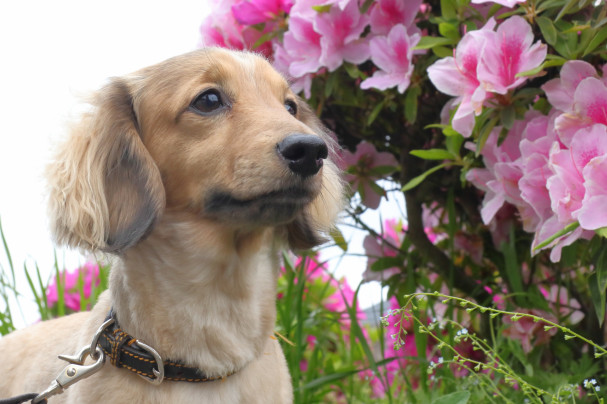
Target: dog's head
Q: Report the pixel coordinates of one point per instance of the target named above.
(215, 133)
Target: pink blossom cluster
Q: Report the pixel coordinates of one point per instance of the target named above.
(553, 168)
(485, 66)
(89, 273)
(321, 35)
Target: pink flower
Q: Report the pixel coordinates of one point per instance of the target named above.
(392, 54)
(457, 76)
(251, 12)
(503, 171)
(220, 28)
(566, 186)
(507, 52)
(385, 14)
(538, 138)
(589, 107)
(283, 60)
(560, 91)
(89, 273)
(593, 215)
(302, 43)
(528, 332)
(365, 166)
(341, 32)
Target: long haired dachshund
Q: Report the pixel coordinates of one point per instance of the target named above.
(193, 174)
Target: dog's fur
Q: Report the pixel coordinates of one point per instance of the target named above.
(192, 209)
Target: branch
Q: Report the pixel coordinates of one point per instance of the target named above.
(443, 265)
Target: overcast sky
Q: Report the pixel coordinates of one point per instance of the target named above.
(52, 54)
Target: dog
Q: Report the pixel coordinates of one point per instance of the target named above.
(192, 175)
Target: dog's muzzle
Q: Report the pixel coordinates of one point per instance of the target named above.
(304, 154)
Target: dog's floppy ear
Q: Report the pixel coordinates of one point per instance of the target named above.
(105, 190)
(310, 227)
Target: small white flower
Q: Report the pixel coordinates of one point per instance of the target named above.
(597, 388)
(593, 381)
(440, 360)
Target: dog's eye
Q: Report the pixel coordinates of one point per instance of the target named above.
(207, 102)
(291, 106)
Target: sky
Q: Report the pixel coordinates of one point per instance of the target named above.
(52, 55)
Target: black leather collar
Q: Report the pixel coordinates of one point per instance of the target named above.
(125, 351)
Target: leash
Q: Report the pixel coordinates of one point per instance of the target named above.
(123, 351)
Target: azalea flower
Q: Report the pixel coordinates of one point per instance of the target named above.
(385, 14)
(507, 52)
(392, 54)
(302, 43)
(220, 28)
(341, 32)
(527, 331)
(457, 76)
(251, 12)
(589, 108)
(566, 185)
(560, 91)
(593, 215)
(365, 166)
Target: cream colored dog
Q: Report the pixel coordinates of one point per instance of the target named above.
(194, 173)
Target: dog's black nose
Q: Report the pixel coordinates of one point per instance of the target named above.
(303, 153)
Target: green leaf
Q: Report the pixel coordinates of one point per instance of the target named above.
(597, 293)
(548, 29)
(352, 71)
(420, 178)
(507, 116)
(385, 263)
(411, 104)
(548, 63)
(512, 267)
(484, 135)
(566, 9)
(568, 229)
(598, 39)
(330, 378)
(454, 143)
(382, 171)
(338, 238)
(330, 85)
(448, 30)
(322, 9)
(459, 397)
(598, 283)
(448, 9)
(433, 154)
(602, 232)
(375, 112)
(429, 42)
(442, 51)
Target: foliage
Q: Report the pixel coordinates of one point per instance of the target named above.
(490, 117)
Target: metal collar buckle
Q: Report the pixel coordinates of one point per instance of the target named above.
(159, 362)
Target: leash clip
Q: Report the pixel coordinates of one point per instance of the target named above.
(74, 372)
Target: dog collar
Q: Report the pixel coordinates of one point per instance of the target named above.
(125, 351)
